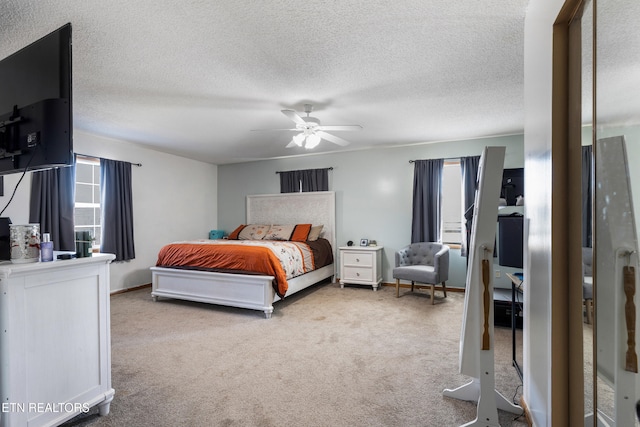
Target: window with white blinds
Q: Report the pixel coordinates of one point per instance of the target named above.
(451, 212)
(87, 204)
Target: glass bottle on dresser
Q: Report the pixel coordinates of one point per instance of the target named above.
(46, 248)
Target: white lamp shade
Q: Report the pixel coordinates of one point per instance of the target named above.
(312, 141)
(299, 139)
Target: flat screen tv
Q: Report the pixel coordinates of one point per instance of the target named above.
(36, 130)
(512, 185)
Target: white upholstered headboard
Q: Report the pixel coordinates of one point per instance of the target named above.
(317, 207)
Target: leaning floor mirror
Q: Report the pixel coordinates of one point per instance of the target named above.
(617, 195)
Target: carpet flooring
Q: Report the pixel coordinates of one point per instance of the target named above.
(328, 357)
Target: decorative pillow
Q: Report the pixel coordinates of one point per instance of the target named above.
(280, 232)
(314, 234)
(300, 233)
(235, 233)
(254, 232)
(216, 234)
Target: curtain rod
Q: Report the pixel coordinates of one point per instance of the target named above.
(442, 158)
(329, 168)
(104, 158)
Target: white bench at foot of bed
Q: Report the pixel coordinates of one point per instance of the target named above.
(235, 290)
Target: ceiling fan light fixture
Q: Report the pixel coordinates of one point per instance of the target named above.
(299, 139)
(312, 141)
(309, 130)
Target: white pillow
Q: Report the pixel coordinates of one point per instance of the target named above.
(314, 234)
(280, 232)
(254, 232)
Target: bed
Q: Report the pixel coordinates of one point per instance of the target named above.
(255, 291)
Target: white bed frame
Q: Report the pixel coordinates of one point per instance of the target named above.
(255, 291)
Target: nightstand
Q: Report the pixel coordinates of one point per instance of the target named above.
(361, 265)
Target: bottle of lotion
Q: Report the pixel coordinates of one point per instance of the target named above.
(46, 248)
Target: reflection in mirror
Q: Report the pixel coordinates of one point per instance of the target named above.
(616, 266)
(586, 22)
(617, 182)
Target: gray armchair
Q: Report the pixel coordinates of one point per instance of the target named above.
(587, 282)
(426, 263)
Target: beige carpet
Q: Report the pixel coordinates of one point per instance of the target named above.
(328, 357)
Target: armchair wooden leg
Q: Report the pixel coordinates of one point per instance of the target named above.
(433, 291)
(444, 289)
(412, 284)
(588, 305)
(397, 288)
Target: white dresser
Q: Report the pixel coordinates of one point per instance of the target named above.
(55, 343)
(361, 265)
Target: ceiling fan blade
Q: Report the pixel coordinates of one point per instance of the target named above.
(294, 116)
(291, 144)
(341, 127)
(271, 130)
(332, 138)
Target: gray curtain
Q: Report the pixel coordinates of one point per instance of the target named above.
(289, 182)
(116, 201)
(52, 205)
(587, 193)
(311, 179)
(469, 169)
(427, 200)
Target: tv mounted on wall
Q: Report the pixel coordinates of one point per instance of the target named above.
(36, 130)
(512, 185)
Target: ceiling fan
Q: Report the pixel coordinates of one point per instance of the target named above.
(311, 132)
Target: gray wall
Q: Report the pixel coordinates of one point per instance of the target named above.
(373, 191)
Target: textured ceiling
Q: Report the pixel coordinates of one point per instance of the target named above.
(195, 77)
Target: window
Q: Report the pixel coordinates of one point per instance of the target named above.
(451, 212)
(87, 203)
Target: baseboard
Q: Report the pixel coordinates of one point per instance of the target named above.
(135, 288)
(408, 285)
(402, 285)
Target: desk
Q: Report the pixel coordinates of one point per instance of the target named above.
(516, 290)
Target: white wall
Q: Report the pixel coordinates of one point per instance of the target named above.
(174, 198)
(373, 191)
(538, 186)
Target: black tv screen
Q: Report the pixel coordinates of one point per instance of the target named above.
(36, 130)
(512, 185)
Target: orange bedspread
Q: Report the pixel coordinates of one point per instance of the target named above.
(245, 258)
